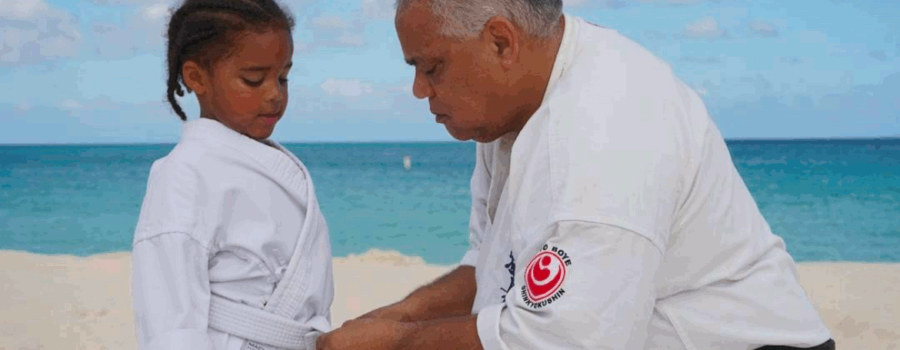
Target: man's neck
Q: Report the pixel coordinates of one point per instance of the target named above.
(540, 58)
(548, 52)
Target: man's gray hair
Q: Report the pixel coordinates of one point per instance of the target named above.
(466, 18)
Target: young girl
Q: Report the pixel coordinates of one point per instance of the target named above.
(230, 250)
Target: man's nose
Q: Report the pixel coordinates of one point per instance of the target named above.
(421, 87)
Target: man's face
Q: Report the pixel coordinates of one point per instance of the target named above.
(466, 86)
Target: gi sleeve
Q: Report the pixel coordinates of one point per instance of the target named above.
(588, 286)
(171, 293)
(479, 186)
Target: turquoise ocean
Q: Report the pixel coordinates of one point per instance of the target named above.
(831, 200)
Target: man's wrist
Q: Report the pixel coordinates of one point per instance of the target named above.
(440, 333)
(407, 338)
(411, 307)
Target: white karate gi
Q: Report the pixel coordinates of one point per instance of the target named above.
(222, 216)
(616, 220)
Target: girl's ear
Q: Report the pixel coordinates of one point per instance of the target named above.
(195, 77)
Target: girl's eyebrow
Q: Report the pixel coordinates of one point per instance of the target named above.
(265, 68)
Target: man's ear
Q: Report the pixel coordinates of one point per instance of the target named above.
(195, 77)
(504, 38)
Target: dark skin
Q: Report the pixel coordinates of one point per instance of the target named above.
(480, 88)
(435, 316)
(247, 89)
(483, 87)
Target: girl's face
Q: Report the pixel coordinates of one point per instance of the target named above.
(247, 90)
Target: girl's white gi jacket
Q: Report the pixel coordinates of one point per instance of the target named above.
(230, 218)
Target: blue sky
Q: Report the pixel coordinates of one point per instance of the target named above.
(92, 71)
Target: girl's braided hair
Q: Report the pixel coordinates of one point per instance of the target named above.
(204, 30)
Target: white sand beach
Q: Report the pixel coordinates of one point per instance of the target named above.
(65, 302)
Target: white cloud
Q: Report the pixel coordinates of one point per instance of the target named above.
(879, 55)
(617, 4)
(655, 35)
(378, 9)
(33, 31)
(574, 3)
(22, 9)
(613, 4)
(704, 28)
(758, 82)
(155, 13)
(347, 88)
(333, 31)
(353, 40)
(151, 21)
(122, 2)
(23, 106)
(670, 2)
(791, 60)
(142, 31)
(680, 2)
(702, 60)
(764, 29)
(706, 88)
(70, 104)
(329, 23)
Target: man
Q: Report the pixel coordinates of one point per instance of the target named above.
(607, 212)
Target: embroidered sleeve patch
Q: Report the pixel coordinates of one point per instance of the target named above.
(544, 277)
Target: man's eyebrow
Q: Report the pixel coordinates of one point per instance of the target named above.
(413, 61)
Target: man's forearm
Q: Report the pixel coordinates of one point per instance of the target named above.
(450, 295)
(457, 333)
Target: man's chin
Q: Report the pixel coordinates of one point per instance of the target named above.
(478, 135)
(459, 135)
(470, 136)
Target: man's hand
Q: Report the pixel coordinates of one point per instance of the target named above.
(450, 295)
(456, 333)
(366, 334)
(395, 312)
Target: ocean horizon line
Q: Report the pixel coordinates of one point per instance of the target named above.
(377, 142)
(392, 255)
(170, 143)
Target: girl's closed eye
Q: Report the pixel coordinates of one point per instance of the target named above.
(256, 82)
(253, 82)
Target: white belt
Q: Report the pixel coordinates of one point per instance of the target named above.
(257, 325)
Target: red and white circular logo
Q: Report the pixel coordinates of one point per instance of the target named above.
(544, 275)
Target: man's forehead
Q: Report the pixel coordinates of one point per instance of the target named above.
(418, 32)
(419, 47)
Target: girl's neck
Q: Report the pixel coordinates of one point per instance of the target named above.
(212, 117)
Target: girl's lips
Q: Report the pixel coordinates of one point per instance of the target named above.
(270, 118)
